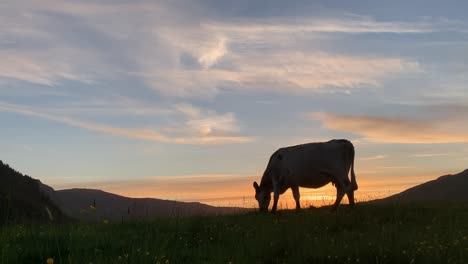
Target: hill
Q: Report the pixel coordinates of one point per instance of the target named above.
(22, 199)
(89, 204)
(369, 234)
(447, 188)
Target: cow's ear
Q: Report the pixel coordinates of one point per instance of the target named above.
(255, 185)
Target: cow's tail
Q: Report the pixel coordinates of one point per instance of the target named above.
(353, 176)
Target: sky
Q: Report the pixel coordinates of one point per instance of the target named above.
(187, 100)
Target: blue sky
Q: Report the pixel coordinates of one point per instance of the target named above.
(171, 94)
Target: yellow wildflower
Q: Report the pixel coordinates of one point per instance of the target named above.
(105, 221)
(50, 261)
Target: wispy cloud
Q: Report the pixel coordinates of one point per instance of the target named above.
(203, 136)
(395, 130)
(208, 123)
(348, 24)
(428, 155)
(197, 56)
(38, 68)
(377, 157)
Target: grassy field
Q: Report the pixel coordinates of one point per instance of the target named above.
(368, 234)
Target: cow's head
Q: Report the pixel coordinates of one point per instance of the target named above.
(263, 197)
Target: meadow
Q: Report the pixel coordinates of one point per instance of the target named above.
(367, 234)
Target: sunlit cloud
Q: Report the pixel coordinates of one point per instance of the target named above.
(180, 58)
(38, 69)
(428, 155)
(348, 24)
(201, 137)
(208, 123)
(377, 157)
(213, 54)
(395, 130)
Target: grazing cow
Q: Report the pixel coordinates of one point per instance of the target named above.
(310, 165)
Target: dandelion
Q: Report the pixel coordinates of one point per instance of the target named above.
(105, 221)
(50, 261)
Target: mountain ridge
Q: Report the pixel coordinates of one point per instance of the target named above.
(446, 188)
(23, 198)
(92, 204)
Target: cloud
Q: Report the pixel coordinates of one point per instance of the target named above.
(299, 71)
(208, 123)
(395, 130)
(189, 137)
(349, 24)
(37, 69)
(278, 61)
(377, 157)
(428, 155)
(103, 48)
(212, 55)
(130, 133)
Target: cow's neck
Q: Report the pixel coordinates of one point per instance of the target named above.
(266, 183)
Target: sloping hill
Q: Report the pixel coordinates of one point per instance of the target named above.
(448, 188)
(22, 199)
(97, 205)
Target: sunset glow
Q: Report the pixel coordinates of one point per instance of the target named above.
(187, 100)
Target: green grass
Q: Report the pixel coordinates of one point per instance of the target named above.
(368, 234)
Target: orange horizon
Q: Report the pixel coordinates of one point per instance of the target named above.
(237, 190)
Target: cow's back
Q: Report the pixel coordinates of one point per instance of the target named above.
(311, 164)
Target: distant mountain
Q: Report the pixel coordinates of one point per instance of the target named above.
(97, 205)
(448, 188)
(22, 199)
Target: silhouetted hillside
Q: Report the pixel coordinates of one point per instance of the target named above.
(448, 188)
(97, 205)
(22, 200)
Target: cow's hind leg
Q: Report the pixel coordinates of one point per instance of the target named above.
(340, 192)
(295, 191)
(339, 196)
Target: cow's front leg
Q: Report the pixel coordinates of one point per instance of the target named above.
(275, 200)
(295, 191)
